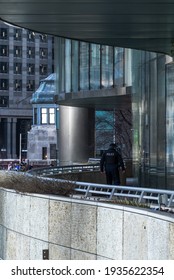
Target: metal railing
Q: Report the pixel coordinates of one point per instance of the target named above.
(44, 171)
(141, 195)
(101, 191)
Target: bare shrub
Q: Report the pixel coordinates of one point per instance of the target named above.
(23, 182)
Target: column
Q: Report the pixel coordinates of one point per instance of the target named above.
(76, 134)
(9, 137)
(14, 138)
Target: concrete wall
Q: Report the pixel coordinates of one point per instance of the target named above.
(78, 229)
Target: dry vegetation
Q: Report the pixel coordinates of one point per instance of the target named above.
(26, 183)
(23, 182)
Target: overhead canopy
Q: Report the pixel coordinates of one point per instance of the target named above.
(138, 24)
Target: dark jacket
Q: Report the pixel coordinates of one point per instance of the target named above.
(111, 158)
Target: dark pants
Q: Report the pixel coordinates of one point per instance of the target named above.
(112, 175)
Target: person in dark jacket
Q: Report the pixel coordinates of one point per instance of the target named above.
(111, 162)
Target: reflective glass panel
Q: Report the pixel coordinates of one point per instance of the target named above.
(75, 65)
(94, 66)
(68, 65)
(107, 66)
(170, 124)
(118, 66)
(84, 66)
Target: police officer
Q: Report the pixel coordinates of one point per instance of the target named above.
(111, 162)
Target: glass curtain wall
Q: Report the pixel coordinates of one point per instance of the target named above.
(68, 65)
(95, 66)
(119, 66)
(75, 66)
(86, 66)
(161, 115)
(170, 124)
(107, 66)
(149, 119)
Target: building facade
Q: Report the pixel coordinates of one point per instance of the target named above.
(43, 136)
(90, 79)
(26, 57)
(127, 79)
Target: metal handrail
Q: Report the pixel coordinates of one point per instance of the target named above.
(44, 171)
(141, 195)
(102, 191)
(145, 196)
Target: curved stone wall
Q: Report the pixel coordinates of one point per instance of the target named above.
(77, 229)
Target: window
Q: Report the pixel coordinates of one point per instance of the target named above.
(94, 66)
(3, 33)
(30, 69)
(43, 115)
(107, 66)
(84, 66)
(3, 50)
(43, 69)
(17, 85)
(30, 52)
(31, 36)
(75, 66)
(4, 101)
(4, 84)
(17, 34)
(44, 152)
(18, 68)
(118, 66)
(68, 65)
(30, 85)
(53, 55)
(4, 67)
(35, 116)
(43, 38)
(47, 116)
(53, 151)
(51, 116)
(17, 51)
(43, 53)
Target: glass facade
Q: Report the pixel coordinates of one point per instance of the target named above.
(86, 66)
(107, 61)
(119, 66)
(150, 75)
(75, 66)
(170, 124)
(152, 119)
(68, 66)
(95, 66)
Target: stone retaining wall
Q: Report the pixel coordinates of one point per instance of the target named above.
(77, 229)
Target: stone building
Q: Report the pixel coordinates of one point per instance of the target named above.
(26, 57)
(42, 138)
